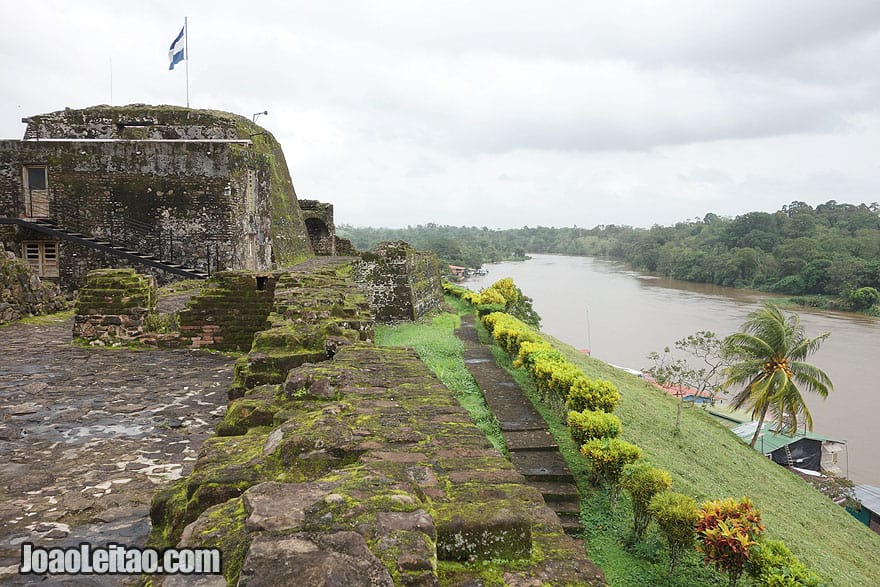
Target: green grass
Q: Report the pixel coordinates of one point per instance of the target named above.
(44, 319)
(706, 461)
(441, 351)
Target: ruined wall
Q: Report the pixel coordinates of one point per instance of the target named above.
(344, 247)
(318, 217)
(228, 311)
(317, 310)
(341, 463)
(401, 283)
(113, 305)
(22, 293)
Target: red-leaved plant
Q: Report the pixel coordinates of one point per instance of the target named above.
(727, 529)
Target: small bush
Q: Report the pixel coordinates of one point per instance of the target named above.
(509, 332)
(607, 457)
(863, 298)
(453, 289)
(590, 424)
(676, 515)
(586, 394)
(643, 482)
(161, 323)
(772, 564)
(484, 309)
(727, 529)
(491, 296)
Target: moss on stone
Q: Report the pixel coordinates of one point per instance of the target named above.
(223, 527)
(246, 413)
(226, 467)
(168, 515)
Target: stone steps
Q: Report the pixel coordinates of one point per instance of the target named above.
(532, 449)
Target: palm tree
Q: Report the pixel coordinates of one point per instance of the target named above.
(769, 358)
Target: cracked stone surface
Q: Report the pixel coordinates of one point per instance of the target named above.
(87, 435)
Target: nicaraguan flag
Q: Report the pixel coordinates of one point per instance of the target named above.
(175, 51)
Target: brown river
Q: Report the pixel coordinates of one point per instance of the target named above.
(622, 315)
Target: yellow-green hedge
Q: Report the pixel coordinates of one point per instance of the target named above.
(503, 292)
(554, 374)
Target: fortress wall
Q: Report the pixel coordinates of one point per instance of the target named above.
(401, 283)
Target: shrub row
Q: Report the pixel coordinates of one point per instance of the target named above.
(730, 531)
(503, 292)
(588, 402)
(559, 380)
(501, 296)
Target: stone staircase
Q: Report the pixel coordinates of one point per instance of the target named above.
(533, 450)
(49, 227)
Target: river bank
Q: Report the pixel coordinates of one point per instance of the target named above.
(621, 315)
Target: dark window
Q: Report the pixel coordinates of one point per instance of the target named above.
(36, 178)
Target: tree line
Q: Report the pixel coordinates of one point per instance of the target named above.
(832, 249)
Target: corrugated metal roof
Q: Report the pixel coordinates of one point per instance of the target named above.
(769, 441)
(869, 496)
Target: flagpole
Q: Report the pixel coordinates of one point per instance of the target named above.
(186, 54)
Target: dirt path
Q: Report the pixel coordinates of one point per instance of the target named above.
(87, 435)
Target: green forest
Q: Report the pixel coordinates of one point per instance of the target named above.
(828, 255)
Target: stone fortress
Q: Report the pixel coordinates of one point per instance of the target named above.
(337, 462)
(173, 190)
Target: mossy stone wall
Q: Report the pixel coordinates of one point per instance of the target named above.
(112, 306)
(401, 282)
(228, 311)
(369, 462)
(316, 310)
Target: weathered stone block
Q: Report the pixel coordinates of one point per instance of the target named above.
(495, 530)
(221, 526)
(341, 559)
(281, 506)
(245, 413)
(400, 282)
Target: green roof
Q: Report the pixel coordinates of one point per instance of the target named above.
(768, 440)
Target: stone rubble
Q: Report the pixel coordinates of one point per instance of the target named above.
(22, 293)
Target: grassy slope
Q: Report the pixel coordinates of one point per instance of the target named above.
(707, 462)
(441, 351)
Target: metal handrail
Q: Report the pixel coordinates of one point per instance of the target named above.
(123, 230)
(117, 227)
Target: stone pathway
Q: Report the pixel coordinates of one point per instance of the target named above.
(88, 435)
(533, 451)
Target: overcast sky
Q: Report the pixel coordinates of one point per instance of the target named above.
(495, 113)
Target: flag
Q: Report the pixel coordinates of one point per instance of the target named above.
(175, 51)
